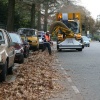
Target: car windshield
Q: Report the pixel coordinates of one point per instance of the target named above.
(40, 34)
(16, 38)
(1, 38)
(28, 32)
(86, 38)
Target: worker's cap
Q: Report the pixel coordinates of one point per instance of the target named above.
(47, 32)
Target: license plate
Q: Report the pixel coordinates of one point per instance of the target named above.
(70, 41)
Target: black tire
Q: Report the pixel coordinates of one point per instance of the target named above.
(26, 54)
(22, 60)
(10, 71)
(88, 45)
(79, 49)
(37, 48)
(57, 47)
(59, 50)
(3, 74)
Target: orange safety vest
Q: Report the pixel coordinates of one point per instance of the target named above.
(47, 38)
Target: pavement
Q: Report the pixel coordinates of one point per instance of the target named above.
(69, 91)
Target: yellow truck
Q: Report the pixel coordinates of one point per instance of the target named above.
(68, 30)
(32, 37)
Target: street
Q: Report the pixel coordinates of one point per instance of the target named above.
(33, 64)
(76, 75)
(83, 68)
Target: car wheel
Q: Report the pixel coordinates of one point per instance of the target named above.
(22, 60)
(88, 45)
(10, 71)
(3, 74)
(37, 48)
(26, 54)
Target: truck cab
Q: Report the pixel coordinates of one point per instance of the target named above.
(67, 28)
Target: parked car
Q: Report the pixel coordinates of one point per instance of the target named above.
(32, 35)
(40, 36)
(86, 41)
(21, 48)
(25, 44)
(90, 39)
(7, 54)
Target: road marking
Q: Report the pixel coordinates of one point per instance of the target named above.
(69, 80)
(64, 70)
(75, 89)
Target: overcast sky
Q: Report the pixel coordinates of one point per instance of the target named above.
(93, 6)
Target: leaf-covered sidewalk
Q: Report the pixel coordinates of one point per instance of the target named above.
(34, 79)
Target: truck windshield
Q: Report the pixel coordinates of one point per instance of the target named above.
(28, 32)
(74, 26)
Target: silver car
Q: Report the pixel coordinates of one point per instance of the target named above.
(86, 41)
(40, 36)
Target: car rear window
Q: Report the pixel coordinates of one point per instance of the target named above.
(86, 38)
(16, 38)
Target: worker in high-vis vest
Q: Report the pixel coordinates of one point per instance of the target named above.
(47, 42)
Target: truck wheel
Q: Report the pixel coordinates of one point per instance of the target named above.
(10, 71)
(59, 50)
(22, 60)
(57, 47)
(79, 49)
(3, 74)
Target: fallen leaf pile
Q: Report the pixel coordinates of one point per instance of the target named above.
(34, 79)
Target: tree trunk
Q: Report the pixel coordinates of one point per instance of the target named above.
(10, 20)
(39, 18)
(33, 16)
(45, 18)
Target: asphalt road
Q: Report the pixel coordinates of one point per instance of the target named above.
(83, 69)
